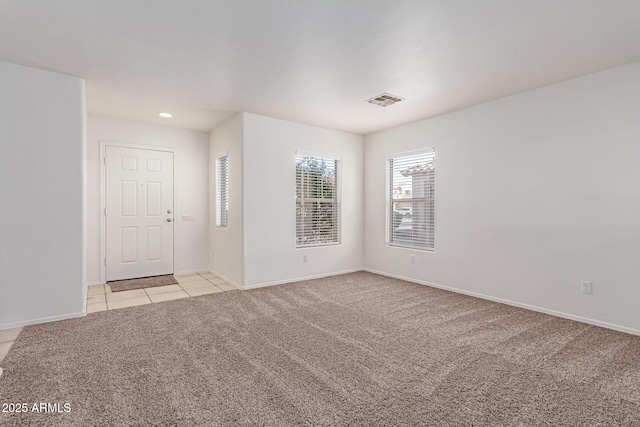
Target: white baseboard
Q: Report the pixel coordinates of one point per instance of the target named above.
(94, 282)
(515, 304)
(188, 272)
(226, 279)
(300, 279)
(42, 320)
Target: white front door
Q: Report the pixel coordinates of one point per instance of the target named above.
(139, 213)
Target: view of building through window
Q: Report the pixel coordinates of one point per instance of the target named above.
(411, 200)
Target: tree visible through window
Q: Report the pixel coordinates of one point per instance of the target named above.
(317, 204)
(411, 200)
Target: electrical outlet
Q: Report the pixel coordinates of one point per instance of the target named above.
(586, 287)
(412, 259)
(304, 258)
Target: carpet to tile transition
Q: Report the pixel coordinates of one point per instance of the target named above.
(357, 349)
(145, 282)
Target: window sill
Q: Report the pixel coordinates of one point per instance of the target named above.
(318, 245)
(411, 248)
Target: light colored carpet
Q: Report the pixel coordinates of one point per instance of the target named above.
(145, 282)
(357, 349)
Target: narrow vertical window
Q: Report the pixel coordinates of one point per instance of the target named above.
(317, 200)
(222, 190)
(410, 213)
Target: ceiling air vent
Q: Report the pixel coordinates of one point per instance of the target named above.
(384, 100)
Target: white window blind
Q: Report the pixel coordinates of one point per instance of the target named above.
(411, 200)
(317, 204)
(222, 191)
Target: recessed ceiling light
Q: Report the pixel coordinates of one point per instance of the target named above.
(384, 100)
(165, 115)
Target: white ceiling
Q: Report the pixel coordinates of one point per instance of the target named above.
(313, 61)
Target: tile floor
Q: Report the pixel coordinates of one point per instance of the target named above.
(7, 337)
(100, 298)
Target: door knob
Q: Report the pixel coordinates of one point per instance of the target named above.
(169, 220)
(168, 211)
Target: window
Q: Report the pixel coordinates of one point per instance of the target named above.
(410, 220)
(222, 190)
(317, 203)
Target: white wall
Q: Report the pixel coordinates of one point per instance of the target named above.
(226, 244)
(534, 193)
(270, 254)
(42, 125)
(191, 160)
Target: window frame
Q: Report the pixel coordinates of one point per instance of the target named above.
(337, 200)
(389, 202)
(222, 217)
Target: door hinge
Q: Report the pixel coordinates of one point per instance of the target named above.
(105, 211)
(105, 262)
(104, 159)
